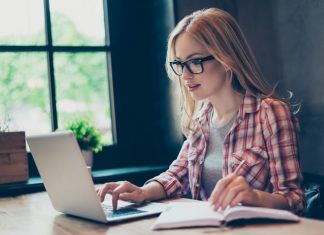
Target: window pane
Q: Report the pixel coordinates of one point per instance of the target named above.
(77, 22)
(22, 22)
(24, 91)
(82, 89)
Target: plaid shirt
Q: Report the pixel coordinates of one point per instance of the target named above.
(263, 134)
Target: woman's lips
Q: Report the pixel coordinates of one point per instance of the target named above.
(193, 87)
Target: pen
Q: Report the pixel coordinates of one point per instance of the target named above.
(213, 202)
(238, 168)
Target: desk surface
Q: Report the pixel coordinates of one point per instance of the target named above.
(34, 214)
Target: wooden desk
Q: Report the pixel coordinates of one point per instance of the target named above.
(33, 214)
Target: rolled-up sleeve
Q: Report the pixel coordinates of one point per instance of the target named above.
(280, 132)
(175, 179)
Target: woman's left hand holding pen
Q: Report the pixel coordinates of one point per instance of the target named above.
(232, 190)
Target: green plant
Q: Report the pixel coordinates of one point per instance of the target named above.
(88, 137)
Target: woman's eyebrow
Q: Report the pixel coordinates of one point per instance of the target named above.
(189, 56)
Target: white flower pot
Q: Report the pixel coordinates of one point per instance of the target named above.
(88, 157)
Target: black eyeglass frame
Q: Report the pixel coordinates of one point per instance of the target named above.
(184, 64)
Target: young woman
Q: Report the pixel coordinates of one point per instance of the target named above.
(241, 142)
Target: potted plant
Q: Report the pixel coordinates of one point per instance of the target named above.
(88, 137)
(13, 154)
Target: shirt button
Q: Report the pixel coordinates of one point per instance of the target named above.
(197, 185)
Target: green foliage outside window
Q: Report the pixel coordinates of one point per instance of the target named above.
(81, 78)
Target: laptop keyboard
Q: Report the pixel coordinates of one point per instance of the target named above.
(120, 212)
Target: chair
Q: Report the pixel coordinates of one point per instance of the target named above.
(315, 201)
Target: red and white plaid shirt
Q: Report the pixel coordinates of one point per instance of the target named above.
(263, 134)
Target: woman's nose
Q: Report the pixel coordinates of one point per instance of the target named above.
(186, 74)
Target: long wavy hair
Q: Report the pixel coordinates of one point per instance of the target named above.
(220, 34)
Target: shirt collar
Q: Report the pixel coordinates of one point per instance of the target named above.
(250, 104)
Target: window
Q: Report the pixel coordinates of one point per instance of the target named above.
(55, 64)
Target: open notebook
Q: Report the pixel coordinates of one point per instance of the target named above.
(192, 214)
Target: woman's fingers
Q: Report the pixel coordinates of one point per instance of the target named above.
(218, 192)
(225, 193)
(239, 197)
(120, 190)
(124, 187)
(106, 188)
(131, 197)
(247, 197)
(233, 191)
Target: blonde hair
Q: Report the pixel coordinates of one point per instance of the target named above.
(220, 34)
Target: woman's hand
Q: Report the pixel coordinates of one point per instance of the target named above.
(121, 190)
(232, 190)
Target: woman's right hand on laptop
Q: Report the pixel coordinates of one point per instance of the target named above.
(123, 190)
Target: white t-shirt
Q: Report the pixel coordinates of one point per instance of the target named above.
(213, 162)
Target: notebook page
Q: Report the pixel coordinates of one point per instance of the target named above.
(188, 214)
(245, 212)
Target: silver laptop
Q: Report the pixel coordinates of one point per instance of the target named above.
(69, 185)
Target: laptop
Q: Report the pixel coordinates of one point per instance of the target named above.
(69, 184)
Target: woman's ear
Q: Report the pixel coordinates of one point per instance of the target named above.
(228, 71)
(229, 75)
(226, 67)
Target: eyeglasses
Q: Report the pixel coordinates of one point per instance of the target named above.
(194, 66)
